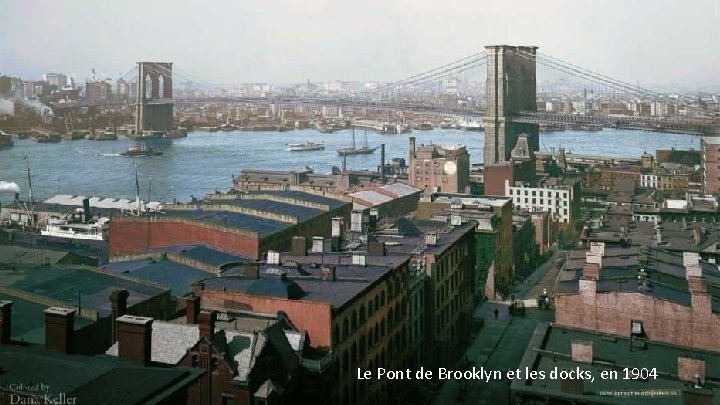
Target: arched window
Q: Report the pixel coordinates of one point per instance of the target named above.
(354, 321)
(161, 86)
(362, 315)
(336, 334)
(148, 87)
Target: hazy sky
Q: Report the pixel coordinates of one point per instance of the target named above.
(653, 41)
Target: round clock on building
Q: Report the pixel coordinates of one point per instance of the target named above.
(450, 168)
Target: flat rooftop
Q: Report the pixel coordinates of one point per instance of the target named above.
(305, 283)
(176, 277)
(28, 320)
(64, 283)
(550, 347)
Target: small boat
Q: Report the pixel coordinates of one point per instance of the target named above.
(180, 132)
(424, 126)
(302, 147)
(141, 151)
(472, 126)
(354, 150)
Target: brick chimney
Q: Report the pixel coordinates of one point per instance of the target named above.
(118, 308)
(691, 370)
(299, 246)
(59, 329)
(192, 307)
(197, 288)
(135, 338)
(700, 299)
(581, 351)
(591, 271)
(206, 320)
(5, 321)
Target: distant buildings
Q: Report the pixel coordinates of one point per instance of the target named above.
(98, 90)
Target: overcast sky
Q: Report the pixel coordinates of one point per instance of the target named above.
(655, 42)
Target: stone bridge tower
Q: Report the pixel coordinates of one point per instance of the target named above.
(510, 89)
(154, 111)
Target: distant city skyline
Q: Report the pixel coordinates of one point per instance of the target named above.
(659, 43)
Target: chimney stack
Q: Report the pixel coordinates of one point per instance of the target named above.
(86, 209)
(431, 239)
(135, 338)
(691, 370)
(197, 288)
(118, 308)
(318, 244)
(5, 321)
(59, 329)
(299, 246)
(206, 320)
(382, 163)
(337, 223)
(192, 307)
(359, 259)
(581, 351)
(411, 148)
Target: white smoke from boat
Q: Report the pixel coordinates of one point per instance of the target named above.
(9, 186)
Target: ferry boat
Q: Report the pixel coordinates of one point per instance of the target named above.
(63, 228)
(356, 151)
(180, 132)
(141, 151)
(40, 137)
(105, 135)
(424, 126)
(307, 146)
(472, 126)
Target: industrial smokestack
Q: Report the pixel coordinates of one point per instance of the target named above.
(86, 209)
(382, 163)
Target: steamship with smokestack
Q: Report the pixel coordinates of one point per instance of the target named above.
(67, 216)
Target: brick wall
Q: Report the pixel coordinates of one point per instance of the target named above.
(311, 316)
(128, 237)
(663, 321)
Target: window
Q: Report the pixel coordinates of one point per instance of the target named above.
(636, 328)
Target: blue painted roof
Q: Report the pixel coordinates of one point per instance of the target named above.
(262, 226)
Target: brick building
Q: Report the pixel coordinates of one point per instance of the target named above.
(655, 295)
(353, 307)
(246, 224)
(710, 163)
(436, 168)
(494, 269)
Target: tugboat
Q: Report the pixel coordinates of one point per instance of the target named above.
(302, 147)
(141, 151)
(356, 151)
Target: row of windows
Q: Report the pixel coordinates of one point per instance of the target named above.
(563, 203)
(523, 191)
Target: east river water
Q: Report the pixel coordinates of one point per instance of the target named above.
(204, 161)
